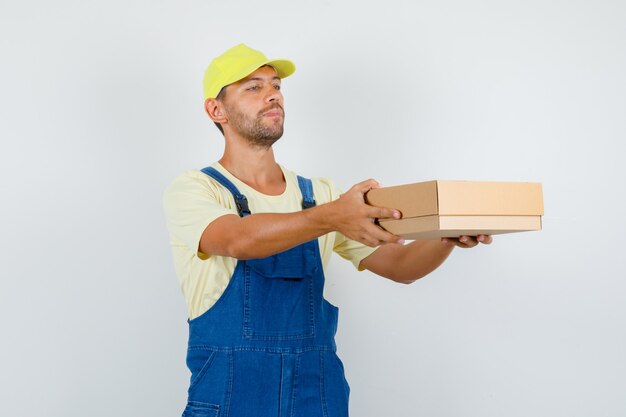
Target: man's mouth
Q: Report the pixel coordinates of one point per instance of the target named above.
(274, 112)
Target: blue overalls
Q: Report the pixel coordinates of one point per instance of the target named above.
(266, 348)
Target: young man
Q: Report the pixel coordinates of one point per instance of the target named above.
(250, 241)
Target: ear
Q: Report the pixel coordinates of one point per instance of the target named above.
(215, 109)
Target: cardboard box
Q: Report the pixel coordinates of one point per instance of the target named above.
(436, 209)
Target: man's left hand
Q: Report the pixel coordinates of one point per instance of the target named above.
(468, 241)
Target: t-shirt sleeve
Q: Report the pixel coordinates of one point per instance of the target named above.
(348, 249)
(352, 250)
(191, 203)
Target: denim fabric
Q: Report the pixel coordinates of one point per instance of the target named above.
(266, 348)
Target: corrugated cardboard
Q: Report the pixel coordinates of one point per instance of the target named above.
(435, 209)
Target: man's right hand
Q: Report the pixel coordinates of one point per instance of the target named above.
(356, 219)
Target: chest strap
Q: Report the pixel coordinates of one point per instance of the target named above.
(240, 200)
(306, 188)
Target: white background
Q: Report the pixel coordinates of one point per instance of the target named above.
(101, 107)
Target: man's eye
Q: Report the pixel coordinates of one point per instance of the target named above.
(254, 88)
(277, 86)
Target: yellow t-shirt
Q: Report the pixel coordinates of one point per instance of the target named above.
(194, 200)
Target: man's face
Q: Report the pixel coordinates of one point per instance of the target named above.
(254, 107)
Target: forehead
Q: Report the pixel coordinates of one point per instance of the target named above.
(266, 72)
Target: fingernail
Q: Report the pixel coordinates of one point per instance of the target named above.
(401, 241)
(463, 238)
(396, 214)
(481, 238)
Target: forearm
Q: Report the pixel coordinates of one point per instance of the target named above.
(408, 263)
(264, 234)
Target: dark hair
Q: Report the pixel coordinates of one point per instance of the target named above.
(220, 96)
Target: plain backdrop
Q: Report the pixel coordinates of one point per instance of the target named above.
(101, 108)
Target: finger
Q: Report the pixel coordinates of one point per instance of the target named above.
(469, 241)
(454, 241)
(372, 241)
(485, 239)
(365, 186)
(366, 240)
(384, 213)
(383, 236)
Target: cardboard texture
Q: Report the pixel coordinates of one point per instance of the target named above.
(436, 209)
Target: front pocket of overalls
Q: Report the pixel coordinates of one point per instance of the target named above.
(211, 376)
(198, 361)
(278, 299)
(198, 409)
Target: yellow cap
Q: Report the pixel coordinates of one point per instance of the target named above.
(237, 63)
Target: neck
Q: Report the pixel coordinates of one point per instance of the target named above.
(255, 166)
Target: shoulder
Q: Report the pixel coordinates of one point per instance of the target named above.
(186, 181)
(192, 185)
(193, 178)
(186, 177)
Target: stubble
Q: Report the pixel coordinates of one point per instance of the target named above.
(259, 131)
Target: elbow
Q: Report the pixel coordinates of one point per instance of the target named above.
(405, 281)
(245, 248)
(400, 276)
(229, 238)
(409, 278)
(240, 249)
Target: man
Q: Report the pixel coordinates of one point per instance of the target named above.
(250, 241)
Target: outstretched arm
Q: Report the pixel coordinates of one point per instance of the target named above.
(265, 234)
(408, 263)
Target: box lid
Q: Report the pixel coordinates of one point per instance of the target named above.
(461, 198)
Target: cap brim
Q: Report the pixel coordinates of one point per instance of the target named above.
(284, 68)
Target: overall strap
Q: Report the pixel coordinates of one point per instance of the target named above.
(240, 200)
(306, 188)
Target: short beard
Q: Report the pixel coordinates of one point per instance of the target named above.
(257, 134)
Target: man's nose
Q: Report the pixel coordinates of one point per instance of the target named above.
(274, 95)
